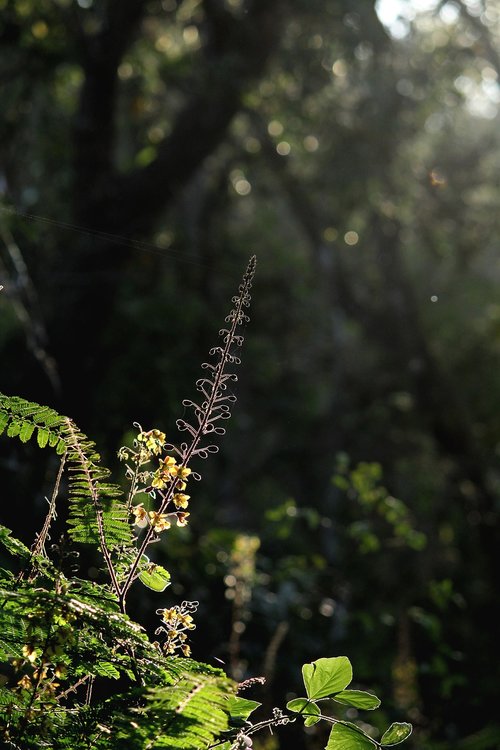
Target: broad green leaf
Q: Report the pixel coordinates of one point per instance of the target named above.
(306, 708)
(396, 733)
(241, 708)
(325, 677)
(42, 437)
(347, 736)
(358, 699)
(155, 577)
(297, 705)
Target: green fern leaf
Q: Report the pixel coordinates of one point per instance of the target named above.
(90, 492)
(26, 431)
(13, 545)
(105, 669)
(14, 429)
(4, 420)
(194, 710)
(42, 437)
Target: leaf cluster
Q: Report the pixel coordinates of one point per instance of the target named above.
(328, 679)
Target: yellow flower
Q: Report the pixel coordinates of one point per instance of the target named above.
(168, 463)
(186, 620)
(159, 521)
(162, 475)
(29, 652)
(182, 519)
(154, 440)
(181, 500)
(160, 479)
(40, 674)
(181, 472)
(51, 688)
(168, 616)
(25, 682)
(141, 515)
(186, 649)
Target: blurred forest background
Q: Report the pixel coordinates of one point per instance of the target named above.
(147, 149)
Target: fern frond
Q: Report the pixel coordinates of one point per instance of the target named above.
(15, 547)
(13, 629)
(195, 711)
(188, 714)
(24, 418)
(96, 514)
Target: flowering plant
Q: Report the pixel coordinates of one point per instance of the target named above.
(64, 638)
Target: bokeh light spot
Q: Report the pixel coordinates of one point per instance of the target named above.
(351, 238)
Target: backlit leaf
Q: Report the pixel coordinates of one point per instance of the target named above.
(346, 736)
(26, 431)
(241, 708)
(155, 577)
(358, 699)
(306, 708)
(42, 437)
(397, 732)
(326, 677)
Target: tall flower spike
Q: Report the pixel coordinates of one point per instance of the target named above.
(215, 406)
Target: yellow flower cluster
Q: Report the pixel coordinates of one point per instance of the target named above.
(148, 442)
(168, 471)
(40, 660)
(177, 621)
(159, 521)
(176, 618)
(153, 440)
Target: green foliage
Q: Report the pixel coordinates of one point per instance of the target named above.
(326, 676)
(326, 679)
(384, 518)
(90, 493)
(62, 637)
(66, 643)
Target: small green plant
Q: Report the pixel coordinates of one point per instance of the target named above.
(64, 639)
(325, 680)
(384, 518)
